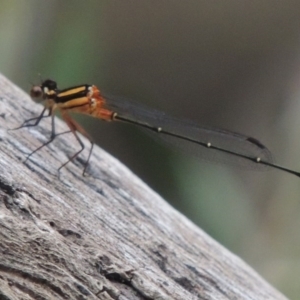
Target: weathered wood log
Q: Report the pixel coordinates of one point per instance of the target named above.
(105, 236)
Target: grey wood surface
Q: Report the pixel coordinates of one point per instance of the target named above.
(105, 236)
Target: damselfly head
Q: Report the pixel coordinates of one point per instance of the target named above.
(47, 88)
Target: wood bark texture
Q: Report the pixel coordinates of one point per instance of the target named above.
(105, 236)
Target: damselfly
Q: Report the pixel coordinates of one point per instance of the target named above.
(209, 143)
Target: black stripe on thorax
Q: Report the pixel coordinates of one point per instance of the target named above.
(72, 93)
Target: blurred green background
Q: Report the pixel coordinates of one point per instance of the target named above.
(231, 64)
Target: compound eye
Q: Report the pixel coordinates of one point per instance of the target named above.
(36, 92)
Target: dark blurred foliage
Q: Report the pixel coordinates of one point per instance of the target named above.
(231, 64)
